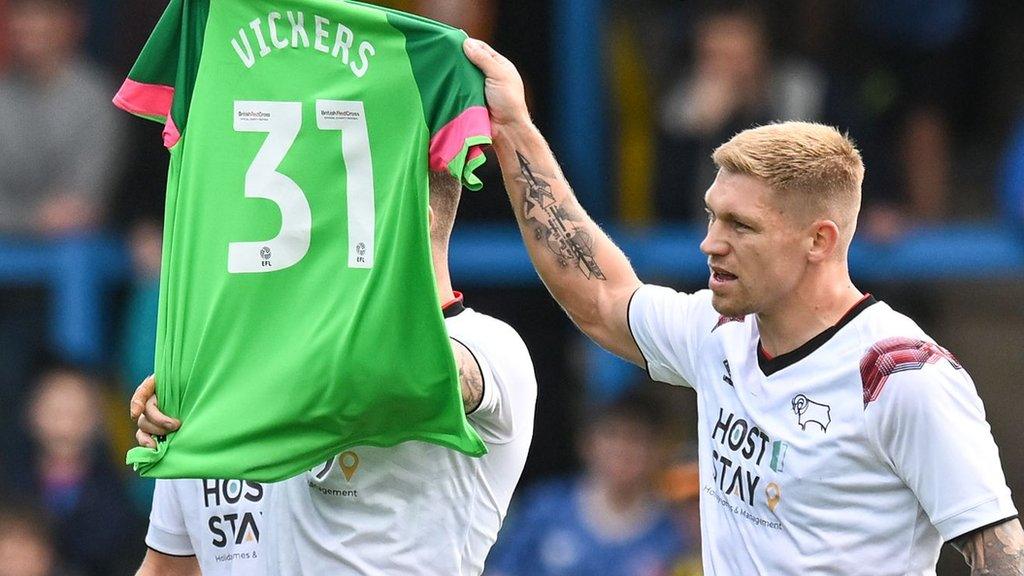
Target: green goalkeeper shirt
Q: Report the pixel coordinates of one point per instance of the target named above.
(298, 309)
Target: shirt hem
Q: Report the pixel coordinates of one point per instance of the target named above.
(990, 510)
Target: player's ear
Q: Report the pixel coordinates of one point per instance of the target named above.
(825, 240)
(431, 217)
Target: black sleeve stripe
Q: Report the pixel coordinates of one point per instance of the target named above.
(171, 555)
(483, 377)
(629, 326)
(985, 527)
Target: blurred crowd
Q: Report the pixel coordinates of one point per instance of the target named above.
(931, 90)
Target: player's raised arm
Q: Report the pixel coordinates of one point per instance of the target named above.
(586, 273)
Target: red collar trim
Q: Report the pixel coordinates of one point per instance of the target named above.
(857, 305)
(771, 365)
(845, 318)
(454, 306)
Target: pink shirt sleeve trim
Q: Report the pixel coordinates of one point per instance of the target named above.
(145, 99)
(152, 101)
(449, 141)
(171, 133)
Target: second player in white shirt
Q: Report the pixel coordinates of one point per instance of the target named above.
(412, 509)
(415, 508)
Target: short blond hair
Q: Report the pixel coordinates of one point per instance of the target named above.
(812, 163)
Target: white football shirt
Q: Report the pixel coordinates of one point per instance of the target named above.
(416, 508)
(858, 453)
(220, 522)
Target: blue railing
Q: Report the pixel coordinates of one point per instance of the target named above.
(79, 273)
(494, 255)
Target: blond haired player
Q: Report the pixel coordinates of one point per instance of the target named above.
(835, 436)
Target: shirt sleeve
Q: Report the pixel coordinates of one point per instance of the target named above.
(159, 85)
(452, 93)
(510, 385)
(669, 328)
(167, 532)
(149, 89)
(928, 422)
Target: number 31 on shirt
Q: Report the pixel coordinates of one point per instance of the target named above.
(282, 122)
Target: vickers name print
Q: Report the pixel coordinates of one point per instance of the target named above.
(293, 30)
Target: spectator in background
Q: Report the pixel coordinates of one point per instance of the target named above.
(26, 547)
(70, 475)
(137, 347)
(907, 80)
(681, 487)
(138, 341)
(3, 39)
(733, 84)
(26, 544)
(611, 520)
(59, 135)
(58, 145)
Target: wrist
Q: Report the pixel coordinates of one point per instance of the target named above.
(507, 131)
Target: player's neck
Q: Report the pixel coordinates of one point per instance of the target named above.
(808, 312)
(442, 276)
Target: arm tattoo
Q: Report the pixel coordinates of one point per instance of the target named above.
(997, 550)
(555, 223)
(471, 380)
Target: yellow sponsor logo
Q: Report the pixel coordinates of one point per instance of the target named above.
(774, 495)
(349, 463)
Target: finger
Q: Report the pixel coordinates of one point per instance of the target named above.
(482, 55)
(484, 46)
(147, 426)
(141, 394)
(144, 439)
(154, 415)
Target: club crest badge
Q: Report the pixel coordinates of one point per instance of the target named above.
(810, 412)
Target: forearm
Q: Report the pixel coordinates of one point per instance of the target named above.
(579, 264)
(994, 551)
